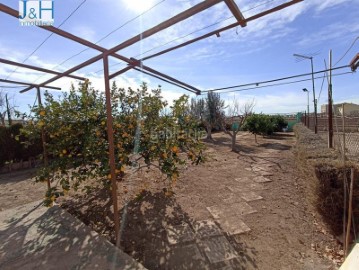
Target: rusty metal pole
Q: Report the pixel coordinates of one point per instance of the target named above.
(314, 99)
(111, 148)
(330, 104)
(43, 137)
(350, 212)
(343, 127)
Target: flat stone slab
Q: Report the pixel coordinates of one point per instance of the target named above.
(180, 234)
(243, 180)
(206, 228)
(236, 209)
(250, 196)
(233, 225)
(266, 173)
(261, 179)
(218, 249)
(246, 187)
(231, 198)
(36, 237)
(259, 168)
(184, 257)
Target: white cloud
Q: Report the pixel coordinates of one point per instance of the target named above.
(320, 5)
(84, 32)
(335, 31)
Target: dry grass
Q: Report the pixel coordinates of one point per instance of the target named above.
(325, 174)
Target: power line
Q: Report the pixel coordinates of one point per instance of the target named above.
(201, 29)
(196, 31)
(275, 80)
(5, 86)
(110, 33)
(279, 84)
(47, 38)
(347, 51)
(321, 88)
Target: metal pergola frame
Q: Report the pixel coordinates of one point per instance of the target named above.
(133, 63)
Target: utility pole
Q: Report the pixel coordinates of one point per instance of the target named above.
(43, 137)
(314, 99)
(330, 104)
(306, 90)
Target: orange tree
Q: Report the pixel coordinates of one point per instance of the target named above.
(77, 145)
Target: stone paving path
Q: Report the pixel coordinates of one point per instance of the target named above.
(36, 237)
(206, 241)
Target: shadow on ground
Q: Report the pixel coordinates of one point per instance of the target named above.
(144, 236)
(226, 141)
(145, 223)
(36, 237)
(17, 176)
(275, 146)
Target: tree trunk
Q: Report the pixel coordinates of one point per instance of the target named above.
(255, 138)
(234, 135)
(209, 132)
(2, 119)
(8, 110)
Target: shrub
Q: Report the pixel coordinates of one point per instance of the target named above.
(13, 147)
(77, 129)
(262, 124)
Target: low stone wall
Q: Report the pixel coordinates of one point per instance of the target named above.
(10, 167)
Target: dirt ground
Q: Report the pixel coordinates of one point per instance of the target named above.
(18, 188)
(285, 230)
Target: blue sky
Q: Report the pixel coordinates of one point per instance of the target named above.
(261, 51)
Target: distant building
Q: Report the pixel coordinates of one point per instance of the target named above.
(349, 109)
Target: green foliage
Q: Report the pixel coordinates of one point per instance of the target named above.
(279, 122)
(261, 124)
(214, 109)
(77, 130)
(208, 112)
(13, 147)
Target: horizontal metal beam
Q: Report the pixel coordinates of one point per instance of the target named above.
(135, 67)
(28, 84)
(138, 64)
(121, 71)
(88, 62)
(178, 18)
(354, 63)
(252, 18)
(236, 12)
(174, 20)
(12, 63)
(162, 79)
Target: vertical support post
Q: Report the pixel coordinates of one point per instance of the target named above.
(314, 100)
(305, 118)
(330, 104)
(111, 148)
(308, 110)
(343, 127)
(43, 137)
(350, 211)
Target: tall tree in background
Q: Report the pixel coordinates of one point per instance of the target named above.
(213, 113)
(6, 109)
(235, 119)
(208, 111)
